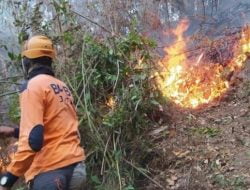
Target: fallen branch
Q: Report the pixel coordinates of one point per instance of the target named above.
(143, 173)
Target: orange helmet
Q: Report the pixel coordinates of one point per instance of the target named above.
(38, 46)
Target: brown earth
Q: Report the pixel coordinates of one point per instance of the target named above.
(207, 148)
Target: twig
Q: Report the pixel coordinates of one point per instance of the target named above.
(104, 154)
(7, 78)
(204, 9)
(87, 79)
(10, 82)
(168, 15)
(93, 22)
(117, 164)
(188, 180)
(63, 44)
(8, 93)
(118, 74)
(152, 180)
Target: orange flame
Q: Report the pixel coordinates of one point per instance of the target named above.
(191, 83)
(111, 102)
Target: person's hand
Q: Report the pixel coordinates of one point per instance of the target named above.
(6, 131)
(4, 188)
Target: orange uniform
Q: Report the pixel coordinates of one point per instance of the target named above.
(49, 137)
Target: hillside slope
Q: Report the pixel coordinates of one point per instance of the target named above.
(209, 148)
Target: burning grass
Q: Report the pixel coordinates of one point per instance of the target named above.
(192, 81)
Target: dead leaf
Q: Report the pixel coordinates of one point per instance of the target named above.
(159, 130)
(172, 132)
(170, 182)
(181, 154)
(206, 161)
(174, 178)
(218, 163)
(198, 168)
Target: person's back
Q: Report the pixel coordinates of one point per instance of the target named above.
(49, 148)
(61, 145)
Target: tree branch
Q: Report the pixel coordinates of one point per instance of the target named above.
(9, 82)
(7, 78)
(8, 93)
(93, 22)
(143, 173)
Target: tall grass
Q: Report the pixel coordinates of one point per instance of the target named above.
(114, 97)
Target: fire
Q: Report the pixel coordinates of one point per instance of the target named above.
(111, 102)
(193, 82)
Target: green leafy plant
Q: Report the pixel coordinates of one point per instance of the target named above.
(236, 183)
(207, 131)
(14, 109)
(114, 97)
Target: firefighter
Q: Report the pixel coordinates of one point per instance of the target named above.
(49, 154)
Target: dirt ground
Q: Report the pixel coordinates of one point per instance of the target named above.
(206, 149)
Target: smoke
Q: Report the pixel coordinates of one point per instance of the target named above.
(208, 18)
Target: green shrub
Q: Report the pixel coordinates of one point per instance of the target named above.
(114, 96)
(14, 109)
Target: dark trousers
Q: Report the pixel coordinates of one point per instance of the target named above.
(53, 180)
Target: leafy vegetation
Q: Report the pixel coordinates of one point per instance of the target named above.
(206, 131)
(111, 84)
(236, 183)
(14, 109)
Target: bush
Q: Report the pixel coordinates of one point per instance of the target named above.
(114, 96)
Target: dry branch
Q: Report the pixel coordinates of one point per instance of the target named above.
(9, 82)
(93, 22)
(143, 173)
(8, 93)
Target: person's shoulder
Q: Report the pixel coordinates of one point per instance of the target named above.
(40, 79)
(58, 81)
(39, 82)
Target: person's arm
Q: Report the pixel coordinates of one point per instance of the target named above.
(30, 137)
(9, 131)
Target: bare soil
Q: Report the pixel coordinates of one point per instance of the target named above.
(207, 148)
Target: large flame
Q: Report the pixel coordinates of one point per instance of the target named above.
(194, 82)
